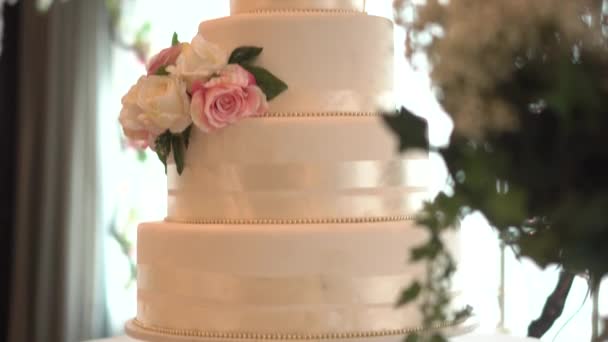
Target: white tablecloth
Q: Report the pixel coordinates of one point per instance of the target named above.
(471, 338)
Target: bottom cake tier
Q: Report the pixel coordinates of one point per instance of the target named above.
(316, 281)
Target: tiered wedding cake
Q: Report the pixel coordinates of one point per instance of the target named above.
(295, 224)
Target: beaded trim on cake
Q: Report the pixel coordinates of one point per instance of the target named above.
(317, 114)
(295, 336)
(303, 11)
(337, 220)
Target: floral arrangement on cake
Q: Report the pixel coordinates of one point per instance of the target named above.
(526, 86)
(194, 84)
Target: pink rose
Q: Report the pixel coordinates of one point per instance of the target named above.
(226, 99)
(232, 74)
(164, 58)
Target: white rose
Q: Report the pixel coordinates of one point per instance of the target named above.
(153, 106)
(199, 60)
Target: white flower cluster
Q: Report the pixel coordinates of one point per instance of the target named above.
(475, 45)
(2, 2)
(157, 103)
(194, 83)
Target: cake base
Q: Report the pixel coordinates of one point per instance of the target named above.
(318, 280)
(136, 331)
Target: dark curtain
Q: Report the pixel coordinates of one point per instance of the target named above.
(57, 279)
(9, 85)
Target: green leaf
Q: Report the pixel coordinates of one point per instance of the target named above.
(544, 247)
(163, 147)
(410, 294)
(450, 207)
(177, 143)
(463, 314)
(411, 129)
(412, 338)
(420, 253)
(141, 156)
(438, 338)
(269, 83)
(174, 39)
(186, 136)
(244, 55)
(162, 71)
(143, 32)
(428, 251)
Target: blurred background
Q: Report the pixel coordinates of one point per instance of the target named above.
(72, 190)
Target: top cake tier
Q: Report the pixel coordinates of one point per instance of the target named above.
(332, 62)
(248, 6)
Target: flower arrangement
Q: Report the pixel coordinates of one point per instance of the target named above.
(526, 86)
(194, 84)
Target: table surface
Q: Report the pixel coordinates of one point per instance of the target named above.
(471, 338)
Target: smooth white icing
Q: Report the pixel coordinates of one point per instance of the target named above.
(245, 6)
(330, 62)
(296, 168)
(276, 279)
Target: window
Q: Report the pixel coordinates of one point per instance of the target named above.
(138, 187)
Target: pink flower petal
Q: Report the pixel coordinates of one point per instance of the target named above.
(164, 58)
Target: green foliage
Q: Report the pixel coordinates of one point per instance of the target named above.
(411, 129)
(174, 39)
(269, 83)
(244, 55)
(412, 338)
(143, 32)
(433, 295)
(142, 156)
(542, 184)
(162, 71)
(186, 136)
(410, 294)
(177, 143)
(438, 338)
(163, 147)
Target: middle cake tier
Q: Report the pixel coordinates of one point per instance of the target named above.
(298, 169)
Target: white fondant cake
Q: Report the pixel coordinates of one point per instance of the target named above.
(296, 224)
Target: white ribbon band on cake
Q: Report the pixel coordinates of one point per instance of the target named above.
(205, 287)
(230, 319)
(249, 6)
(259, 207)
(346, 176)
(230, 310)
(296, 190)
